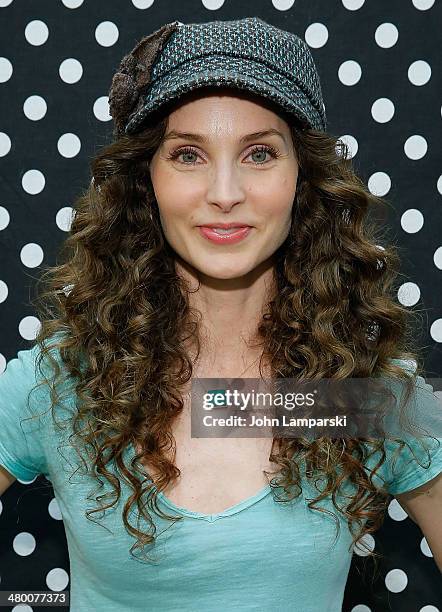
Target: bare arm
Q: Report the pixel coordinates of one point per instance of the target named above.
(424, 506)
(6, 479)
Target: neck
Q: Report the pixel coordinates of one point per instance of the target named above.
(230, 311)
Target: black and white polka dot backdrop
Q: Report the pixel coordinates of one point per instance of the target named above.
(379, 63)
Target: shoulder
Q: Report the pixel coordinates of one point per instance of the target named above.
(25, 414)
(415, 457)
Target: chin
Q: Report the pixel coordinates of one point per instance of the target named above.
(224, 272)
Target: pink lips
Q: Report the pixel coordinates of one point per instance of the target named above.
(230, 238)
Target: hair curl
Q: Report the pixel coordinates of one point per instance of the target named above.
(118, 314)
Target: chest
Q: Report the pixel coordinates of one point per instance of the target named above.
(215, 473)
(235, 561)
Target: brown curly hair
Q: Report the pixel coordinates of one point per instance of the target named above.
(117, 313)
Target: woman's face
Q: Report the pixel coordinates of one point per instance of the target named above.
(209, 170)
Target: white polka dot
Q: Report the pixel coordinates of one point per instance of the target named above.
(31, 255)
(423, 5)
(429, 609)
(412, 221)
(212, 5)
(353, 5)
(367, 541)
(379, 184)
(72, 4)
(35, 108)
(380, 262)
(57, 579)
(24, 544)
(5, 3)
(3, 291)
(425, 548)
(70, 70)
(351, 143)
(67, 289)
(54, 510)
(22, 608)
(69, 145)
(33, 181)
(29, 327)
(142, 4)
(395, 511)
(5, 69)
(396, 580)
(436, 330)
(1, 506)
(439, 184)
(386, 35)
(64, 218)
(382, 110)
(360, 608)
(36, 32)
(415, 147)
(437, 258)
(106, 33)
(408, 294)
(101, 109)
(316, 35)
(419, 72)
(410, 363)
(5, 144)
(349, 72)
(93, 183)
(27, 481)
(2, 363)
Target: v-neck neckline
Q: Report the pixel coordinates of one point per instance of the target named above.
(210, 517)
(242, 505)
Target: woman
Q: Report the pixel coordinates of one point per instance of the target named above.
(149, 296)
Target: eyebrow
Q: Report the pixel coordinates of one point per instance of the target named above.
(174, 134)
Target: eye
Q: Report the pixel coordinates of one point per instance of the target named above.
(258, 149)
(265, 149)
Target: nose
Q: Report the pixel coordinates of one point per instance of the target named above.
(226, 186)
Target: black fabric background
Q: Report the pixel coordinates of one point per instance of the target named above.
(415, 183)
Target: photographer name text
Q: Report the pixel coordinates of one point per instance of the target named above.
(264, 421)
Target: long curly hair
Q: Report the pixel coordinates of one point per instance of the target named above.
(117, 314)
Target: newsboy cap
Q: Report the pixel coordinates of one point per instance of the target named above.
(248, 54)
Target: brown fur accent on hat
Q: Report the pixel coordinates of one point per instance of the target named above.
(134, 74)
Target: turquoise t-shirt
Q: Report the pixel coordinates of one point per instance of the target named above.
(256, 555)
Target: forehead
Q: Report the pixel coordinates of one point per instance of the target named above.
(230, 95)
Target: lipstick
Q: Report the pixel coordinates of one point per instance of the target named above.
(229, 232)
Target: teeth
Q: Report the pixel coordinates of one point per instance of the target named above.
(219, 230)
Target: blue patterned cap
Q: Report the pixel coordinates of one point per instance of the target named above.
(248, 54)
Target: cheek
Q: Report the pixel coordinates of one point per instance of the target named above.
(278, 202)
(280, 188)
(175, 196)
